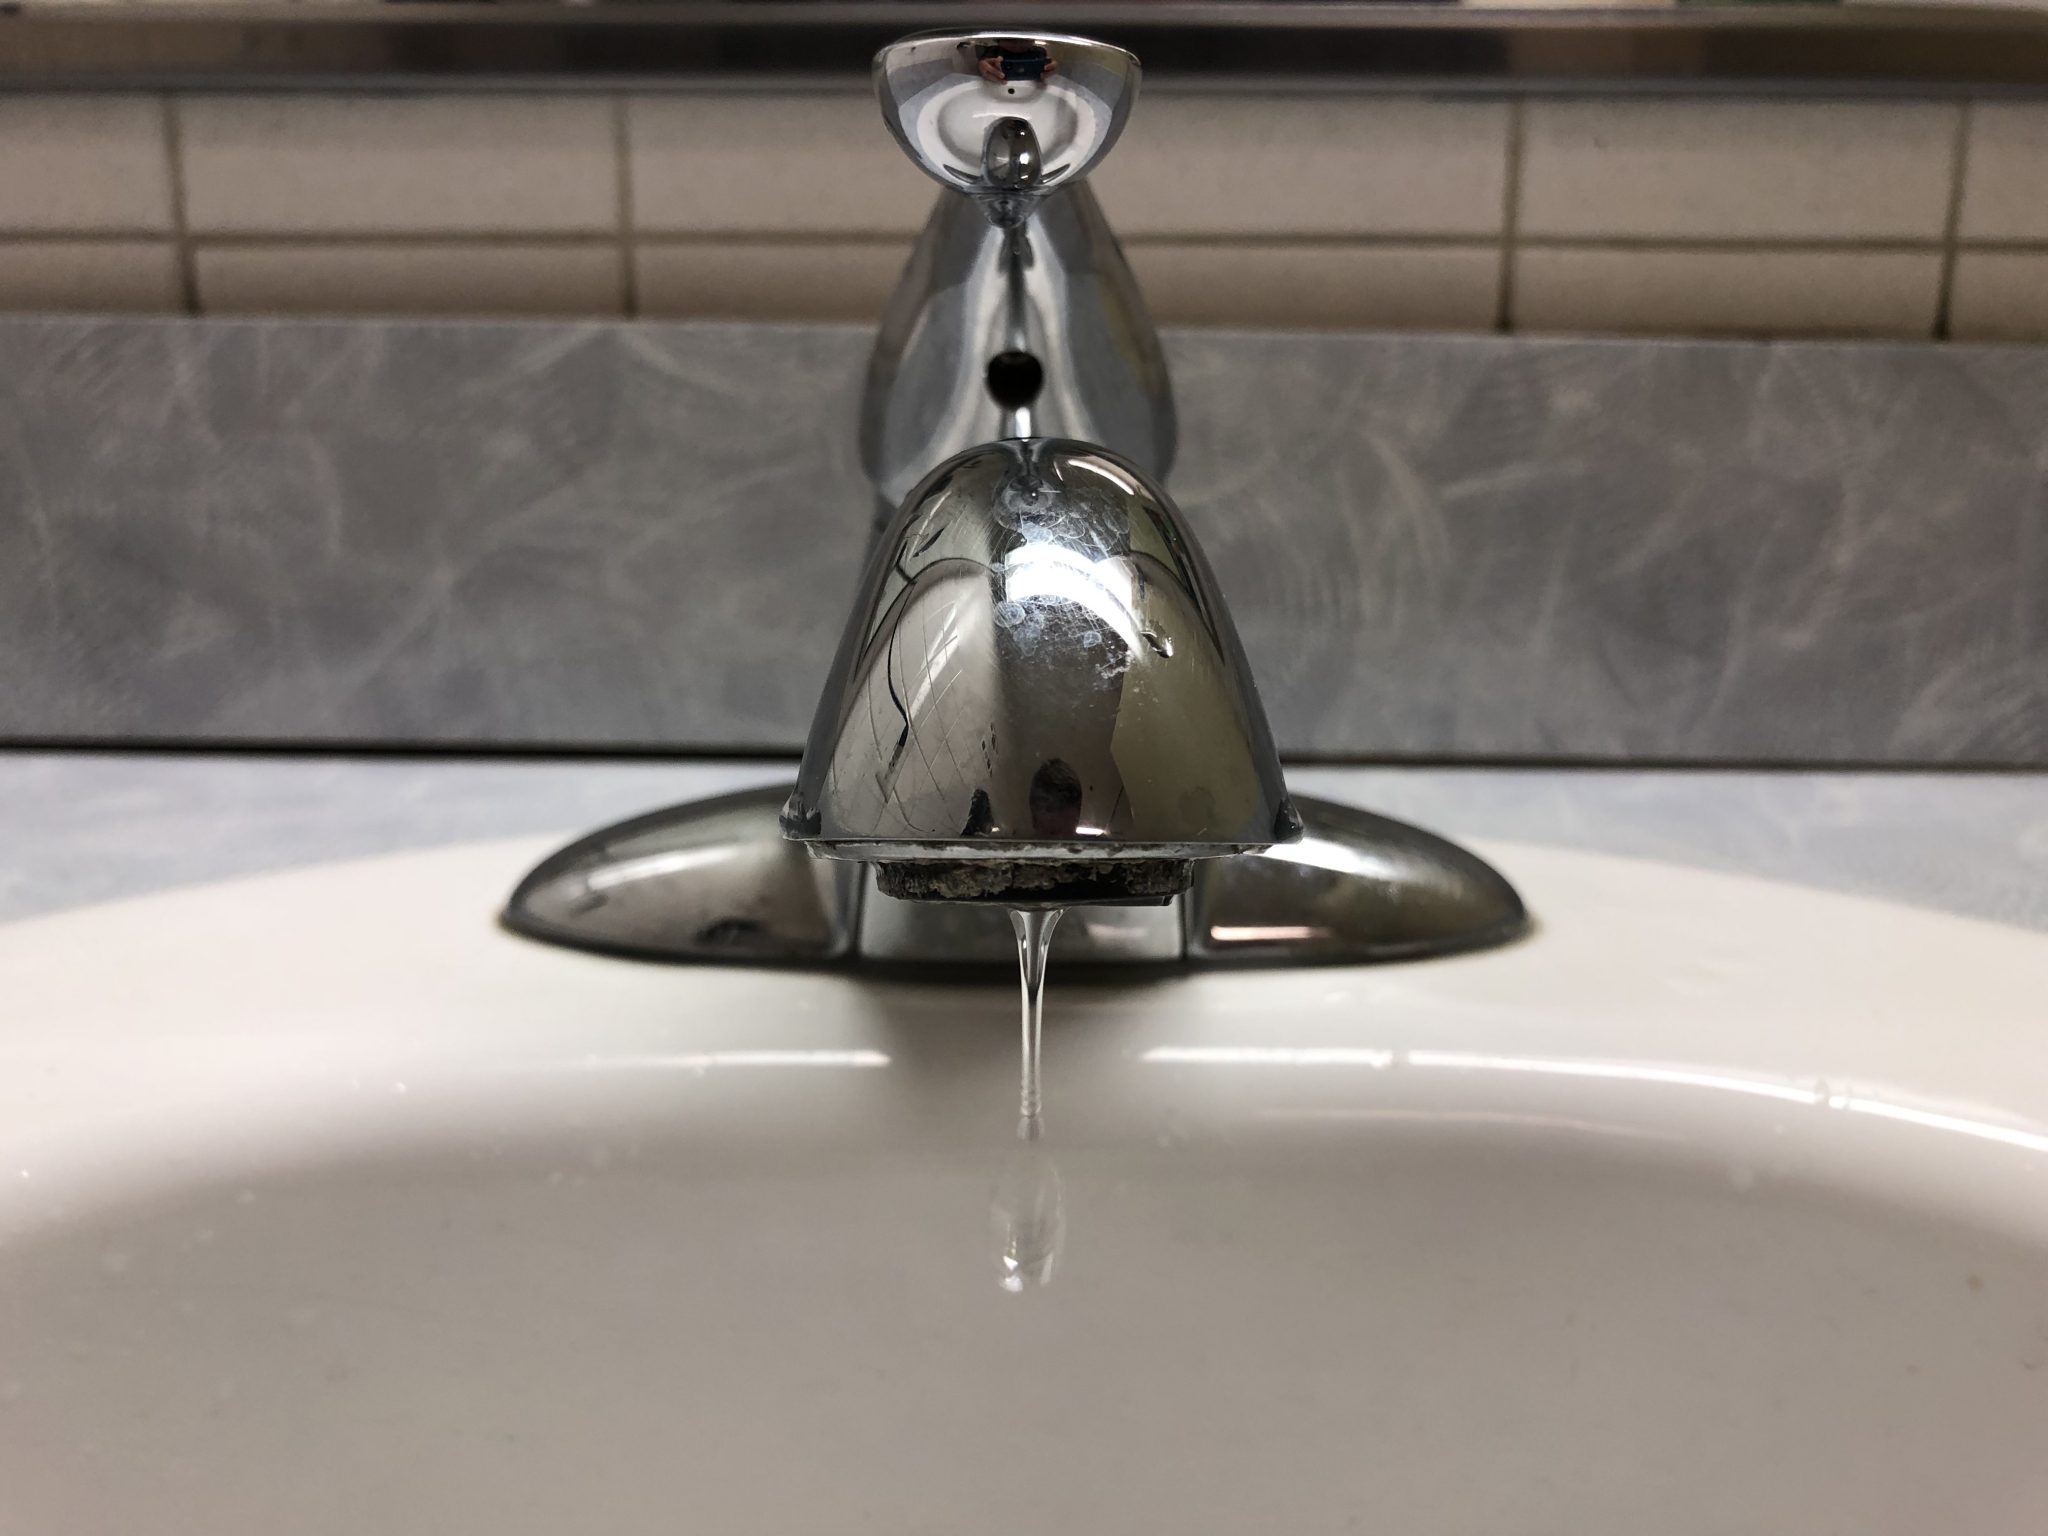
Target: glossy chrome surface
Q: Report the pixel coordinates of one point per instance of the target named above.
(716, 880)
(1355, 888)
(713, 880)
(1003, 114)
(1039, 668)
(1017, 315)
(1040, 700)
(1037, 329)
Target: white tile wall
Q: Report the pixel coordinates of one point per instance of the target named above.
(761, 164)
(768, 280)
(1685, 169)
(1368, 287)
(1655, 214)
(1307, 165)
(1720, 293)
(565, 278)
(2000, 296)
(79, 163)
(384, 165)
(99, 276)
(2005, 180)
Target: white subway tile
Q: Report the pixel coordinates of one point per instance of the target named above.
(768, 280)
(569, 278)
(1664, 168)
(83, 163)
(105, 276)
(297, 164)
(771, 163)
(1307, 164)
(2005, 180)
(1426, 287)
(2000, 296)
(1748, 293)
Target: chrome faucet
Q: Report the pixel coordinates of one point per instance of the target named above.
(1039, 699)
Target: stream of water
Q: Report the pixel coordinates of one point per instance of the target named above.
(1034, 940)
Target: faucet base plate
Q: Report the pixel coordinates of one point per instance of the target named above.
(715, 880)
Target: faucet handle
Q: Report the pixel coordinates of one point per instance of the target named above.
(1001, 114)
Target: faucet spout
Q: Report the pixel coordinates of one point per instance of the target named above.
(1040, 699)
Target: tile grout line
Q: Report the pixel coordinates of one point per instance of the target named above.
(1623, 244)
(181, 231)
(1959, 164)
(289, 239)
(1850, 245)
(1510, 220)
(406, 239)
(622, 156)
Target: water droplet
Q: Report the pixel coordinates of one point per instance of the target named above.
(115, 1262)
(1163, 644)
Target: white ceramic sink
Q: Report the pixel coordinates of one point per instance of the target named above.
(1717, 1207)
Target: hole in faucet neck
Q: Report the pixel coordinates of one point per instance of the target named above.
(1014, 379)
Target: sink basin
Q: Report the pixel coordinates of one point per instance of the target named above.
(1719, 1206)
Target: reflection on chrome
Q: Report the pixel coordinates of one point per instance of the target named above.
(1038, 672)
(1106, 588)
(1341, 858)
(656, 866)
(1265, 933)
(1819, 1096)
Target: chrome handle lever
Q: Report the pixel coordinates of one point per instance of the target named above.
(1006, 117)
(1018, 315)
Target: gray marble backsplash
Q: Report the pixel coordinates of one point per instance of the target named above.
(636, 534)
